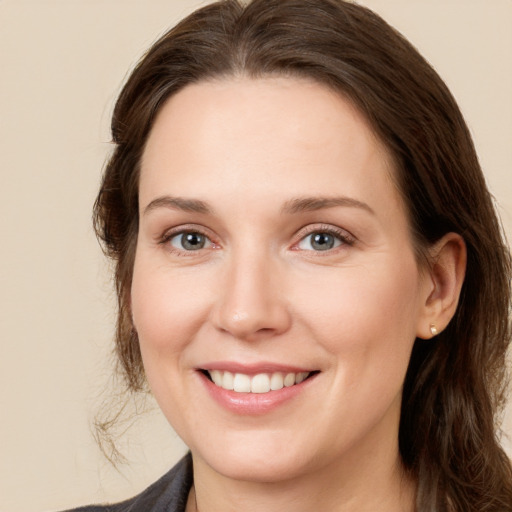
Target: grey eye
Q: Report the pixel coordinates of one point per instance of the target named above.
(189, 241)
(319, 241)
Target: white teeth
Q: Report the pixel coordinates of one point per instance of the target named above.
(227, 380)
(216, 376)
(289, 380)
(242, 383)
(276, 381)
(300, 377)
(260, 383)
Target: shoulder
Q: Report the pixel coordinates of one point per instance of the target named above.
(168, 494)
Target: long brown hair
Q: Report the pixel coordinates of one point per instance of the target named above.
(455, 383)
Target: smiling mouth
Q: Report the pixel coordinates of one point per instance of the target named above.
(259, 383)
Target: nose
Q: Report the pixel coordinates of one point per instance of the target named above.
(251, 301)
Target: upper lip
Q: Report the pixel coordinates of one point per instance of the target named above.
(253, 368)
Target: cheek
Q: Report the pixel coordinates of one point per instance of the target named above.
(366, 316)
(365, 320)
(168, 307)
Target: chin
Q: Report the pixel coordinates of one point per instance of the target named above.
(276, 468)
(255, 460)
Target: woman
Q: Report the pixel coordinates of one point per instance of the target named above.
(311, 276)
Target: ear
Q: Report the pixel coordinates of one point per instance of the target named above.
(443, 283)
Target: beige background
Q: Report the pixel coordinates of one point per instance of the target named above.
(61, 65)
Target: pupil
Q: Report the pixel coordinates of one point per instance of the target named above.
(322, 241)
(192, 241)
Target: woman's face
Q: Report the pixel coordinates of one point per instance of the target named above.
(274, 247)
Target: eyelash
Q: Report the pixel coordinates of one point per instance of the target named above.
(345, 238)
(184, 230)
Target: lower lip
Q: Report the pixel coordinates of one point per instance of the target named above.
(253, 403)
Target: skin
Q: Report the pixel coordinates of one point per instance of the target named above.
(259, 291)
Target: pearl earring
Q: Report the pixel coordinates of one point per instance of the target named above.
(433, 330)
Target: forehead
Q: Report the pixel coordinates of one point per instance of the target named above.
(263, 135)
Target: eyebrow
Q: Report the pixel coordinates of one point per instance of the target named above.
(309, 204)
(296, 205)
(178, 203)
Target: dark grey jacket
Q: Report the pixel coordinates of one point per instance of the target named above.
(169, 494)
